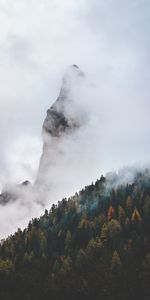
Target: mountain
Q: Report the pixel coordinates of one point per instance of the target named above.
(95, 245)
(63, 119)
(59, 120)
(12, 193)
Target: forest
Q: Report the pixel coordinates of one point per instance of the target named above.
(94, 245)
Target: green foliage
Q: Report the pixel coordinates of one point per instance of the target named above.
(6, 266)
(95, 245)
(104, 233)
(116, 262)
(68, 241)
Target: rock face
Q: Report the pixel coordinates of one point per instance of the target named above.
(63, 118)
(11, 194)
(7, 197)
(59, 119)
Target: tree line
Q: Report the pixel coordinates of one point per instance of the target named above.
(94, 245)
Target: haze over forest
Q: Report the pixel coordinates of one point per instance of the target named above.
(109, 41)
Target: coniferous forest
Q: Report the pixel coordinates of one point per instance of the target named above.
(94, 245)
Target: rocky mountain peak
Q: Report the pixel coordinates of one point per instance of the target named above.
(63, 118)
(59, 118)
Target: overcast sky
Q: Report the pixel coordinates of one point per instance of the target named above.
(110, 41)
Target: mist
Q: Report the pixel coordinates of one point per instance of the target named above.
(110, 42)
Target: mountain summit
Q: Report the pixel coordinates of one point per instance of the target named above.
(58, 120)
(63, 119)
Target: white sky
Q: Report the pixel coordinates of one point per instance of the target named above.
(110, 41)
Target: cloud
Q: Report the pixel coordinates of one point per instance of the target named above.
(110, 42)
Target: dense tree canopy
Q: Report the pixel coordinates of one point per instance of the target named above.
(95, 245)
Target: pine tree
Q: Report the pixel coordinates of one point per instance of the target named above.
(136, 217)
(121, 213)
(68, 242)
(116, 262)
(104, 233)
(111, 213)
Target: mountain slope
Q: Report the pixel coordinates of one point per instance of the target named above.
(95, 245)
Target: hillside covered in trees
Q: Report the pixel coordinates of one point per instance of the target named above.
(95, 245)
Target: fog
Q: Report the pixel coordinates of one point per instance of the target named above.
(110, 42)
